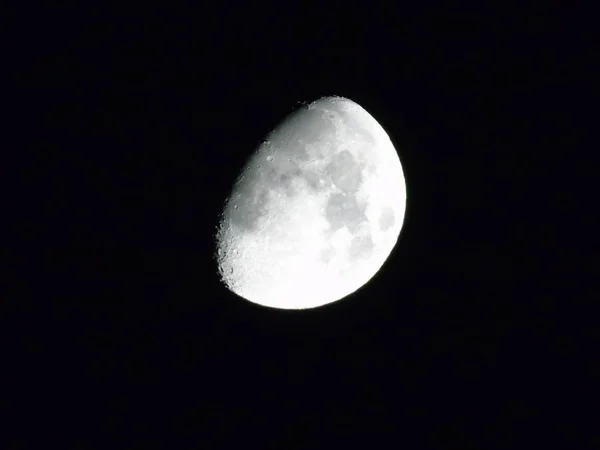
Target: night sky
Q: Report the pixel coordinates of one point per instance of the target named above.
(141, 120)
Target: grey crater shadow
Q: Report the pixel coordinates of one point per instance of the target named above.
(386, 219)
(361, 247)
(344, 172)
(344, 210)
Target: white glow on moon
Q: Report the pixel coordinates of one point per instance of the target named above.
(316, 213)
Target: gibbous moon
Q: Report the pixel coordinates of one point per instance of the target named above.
(316, 212)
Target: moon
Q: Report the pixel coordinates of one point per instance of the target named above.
(317, 210)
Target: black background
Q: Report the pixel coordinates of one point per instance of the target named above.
(141, 119)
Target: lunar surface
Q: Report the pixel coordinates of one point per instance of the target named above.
(317, 210)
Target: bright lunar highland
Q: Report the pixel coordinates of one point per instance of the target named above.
(317, 210)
